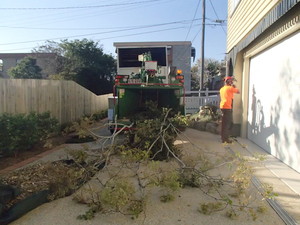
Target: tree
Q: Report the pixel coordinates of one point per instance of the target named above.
(52, 47)
(195, 78)
(84, 62)
(26, 69)
(211, 79)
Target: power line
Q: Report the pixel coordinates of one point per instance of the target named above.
(80, 7)
(192, 20)
(60, 16)
(101, 28)
(126, 35)
(74, 36)
(216, 14)
(56, 18)
(107, 32)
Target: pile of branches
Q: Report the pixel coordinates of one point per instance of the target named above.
(147, 157)
(59, 178)
(155, 131)
(148, 148)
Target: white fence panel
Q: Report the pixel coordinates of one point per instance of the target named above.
(193, 103)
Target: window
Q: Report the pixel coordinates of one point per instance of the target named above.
(128, 57)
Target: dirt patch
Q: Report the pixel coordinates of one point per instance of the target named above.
(7, 161)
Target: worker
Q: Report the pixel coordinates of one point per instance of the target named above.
(226, 95)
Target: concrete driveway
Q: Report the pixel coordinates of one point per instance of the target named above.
(183, 210)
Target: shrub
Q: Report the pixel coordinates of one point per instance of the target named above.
(21, 132)
(99, 115)
(80, 130)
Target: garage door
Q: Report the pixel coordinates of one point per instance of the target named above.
(274, 101)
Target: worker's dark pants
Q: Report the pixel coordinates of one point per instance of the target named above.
(226, 124)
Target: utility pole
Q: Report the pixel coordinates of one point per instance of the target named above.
(202, 45)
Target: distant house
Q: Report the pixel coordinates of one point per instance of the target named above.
(263, 46)
(46, 61)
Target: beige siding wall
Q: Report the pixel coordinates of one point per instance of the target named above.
(66, 100)
(244, 18)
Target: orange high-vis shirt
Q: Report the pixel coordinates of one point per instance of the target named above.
(226, 95)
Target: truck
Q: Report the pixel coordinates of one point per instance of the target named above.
(144, 73)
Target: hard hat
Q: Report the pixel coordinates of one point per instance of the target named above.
(228, 78)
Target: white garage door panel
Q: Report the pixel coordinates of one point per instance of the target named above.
(274, 101)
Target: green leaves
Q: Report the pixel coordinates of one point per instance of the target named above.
(26, 69)
(20, 132)
(84, 62)
(117, 194)
(209, 208)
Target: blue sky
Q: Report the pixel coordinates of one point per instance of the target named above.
(27, 24)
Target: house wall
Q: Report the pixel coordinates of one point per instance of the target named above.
(244, 18)
(46, 61)
(182, 59)
(7, 63)
(265, 63)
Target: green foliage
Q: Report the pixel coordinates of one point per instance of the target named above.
(261, 209)
(268, 192)
(195, 85)
(26, 69)
(242, 175)
(156, 137)
(208, 208)
(156, 131)
(90, 213)
(211, 68)
(136, 207)
(190, 178)
(99, 115)
(21, 132)
(46, 125)
(80, 127)
(84, 62)
(252, 213)
(260, 157)
(79, 156)
(231, 214)
(64, 184)
(180, 121)
(167, 198)
(170, 180)
(117, 194)
(150, 111)
(133, 154)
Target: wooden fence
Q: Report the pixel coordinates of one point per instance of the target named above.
(66, 100)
